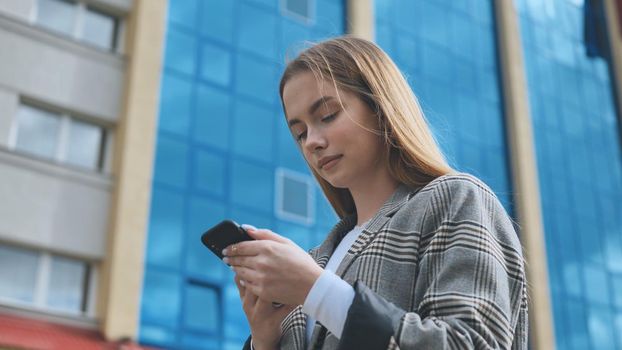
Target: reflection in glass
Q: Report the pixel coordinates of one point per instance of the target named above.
(295, 196)
(67, 280)
(18, 273)
(99, 29)
(202, 308)
(37, 131)
(58, 15)
(83, 146)
(161, 299)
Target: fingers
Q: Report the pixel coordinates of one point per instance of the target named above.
(246, 274)
(249, 300)
(240, 284)
(267, 235)
(246, 261)
(247, 248)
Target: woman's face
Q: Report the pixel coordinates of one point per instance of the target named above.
(326, 129)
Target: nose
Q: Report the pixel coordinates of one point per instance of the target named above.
(315, 141)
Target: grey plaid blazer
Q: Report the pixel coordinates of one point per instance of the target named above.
(438, 267)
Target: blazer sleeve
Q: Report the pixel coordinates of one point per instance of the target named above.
(470, 285)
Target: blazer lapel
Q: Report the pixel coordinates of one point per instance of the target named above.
(400, 196)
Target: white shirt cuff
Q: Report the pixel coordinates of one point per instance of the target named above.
(328, 302)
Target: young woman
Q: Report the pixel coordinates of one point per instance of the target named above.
(422, 258)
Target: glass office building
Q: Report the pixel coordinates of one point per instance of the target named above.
(224, 151)
(83, 223)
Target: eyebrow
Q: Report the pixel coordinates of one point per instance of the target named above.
(314, 106)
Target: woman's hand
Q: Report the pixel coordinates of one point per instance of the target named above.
(273, 267)
(264, 319)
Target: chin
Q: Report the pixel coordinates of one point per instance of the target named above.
(336, 182)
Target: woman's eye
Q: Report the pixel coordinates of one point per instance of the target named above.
(329, 117)
(299, 137)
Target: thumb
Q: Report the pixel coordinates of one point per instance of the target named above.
(263, 234)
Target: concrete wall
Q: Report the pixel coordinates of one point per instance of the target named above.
(57, 70)
(48, 206)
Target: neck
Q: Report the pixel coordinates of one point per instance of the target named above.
(370, 195)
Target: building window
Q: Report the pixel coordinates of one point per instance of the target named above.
(80, 21)
(301, 10)
(99, 29)
(202, 308)
(44, 281)
(59, 137)
(294, 196)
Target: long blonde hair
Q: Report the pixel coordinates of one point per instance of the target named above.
(360, 67)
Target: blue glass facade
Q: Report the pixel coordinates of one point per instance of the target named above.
(578, 151)
(450, 59)
(221, 136)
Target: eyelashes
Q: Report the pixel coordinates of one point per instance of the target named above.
(328, 118)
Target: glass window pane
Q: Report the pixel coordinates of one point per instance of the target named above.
(175, 104)
(156, 334)
(180, 51)
(161, 300)
(99, 29)
(298, 7)
(258, 30)
(212, 117)
(295, 196)
(183, 12)
(200, 261)
(216, 64)
(83, 146)
(251, 120)
(67, 277)
(252, 186)
(171, 162)
(210, 172)
(37, 131)
(217, 21)
(165, 237)
(58, 15)
(256, 79)
(18, 273)
(202, 308)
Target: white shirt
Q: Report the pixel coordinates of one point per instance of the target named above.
(330, 297)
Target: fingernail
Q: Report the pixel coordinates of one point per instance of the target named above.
(249, 227)
(242, 283)
(225, 260)
(224, 251)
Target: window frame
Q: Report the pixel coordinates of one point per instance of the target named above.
(41, 288)
(279, 209)
(104, 151)
(194, 282)
(82, 7)
(309, 21)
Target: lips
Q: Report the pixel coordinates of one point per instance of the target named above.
(326, 160)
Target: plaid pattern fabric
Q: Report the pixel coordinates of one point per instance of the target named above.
(446, 255)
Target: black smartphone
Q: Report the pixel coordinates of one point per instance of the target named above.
(224, 234)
